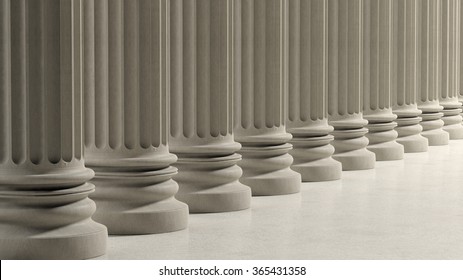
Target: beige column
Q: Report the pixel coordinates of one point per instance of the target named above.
(345, 89)
(201, 85)
(429, 67)
(307, 84)
(377, 62)
(448, 75)
(460, 53)
(126, 116)
(45, 212)
(404, 76)
(260, 93)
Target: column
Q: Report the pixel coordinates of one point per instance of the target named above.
(404, 76)
(260, 88)
(45, 212)
(201, 88)
(307, 85)
(377, 62)
(345, 70)
(448, 75)
(126, 116)
(460, 53)
(428, 67)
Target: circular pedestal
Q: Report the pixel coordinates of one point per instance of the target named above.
(432, 129)
(211, 184)
(312, 158)
(382, 141)
(409, 136)
(267, 170)
(83, 240)
(350, 149)
(453, 123)
(139, 202)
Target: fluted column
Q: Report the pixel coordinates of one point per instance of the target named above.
(345, 70)
(126, 116)
(448, 75)
(260, 88)
(307, 82)
(45, 212)
(377, 62)
(429, 68)
(460, 53)
(201, 57)
(404, 76)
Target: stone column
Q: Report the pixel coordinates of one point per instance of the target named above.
(345, 70)
(126, 116)
(460, 52)
(404, 76)
(307, 106)
(428, 67)
(260, 88)
(377, 62)
(201, 57)
(448, 75)
(45, 212)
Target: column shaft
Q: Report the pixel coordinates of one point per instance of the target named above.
(448, 75)
(201, 86)
(429, 67)
(260, 88)
(345, 70)
(377, 62)
(45, 212)
(404, 76)
(307, 85)
(126, 111)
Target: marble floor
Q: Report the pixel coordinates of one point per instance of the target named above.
(408, 209)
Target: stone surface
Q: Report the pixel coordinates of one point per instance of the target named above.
(126, 117)
(377, 72)
(201, 86)
(45, 212)
(429, 12)
(260, 96)
(345, 70)
(307, 84)
(404, 76)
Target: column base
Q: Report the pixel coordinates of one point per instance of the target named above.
(387, 151)
(139, 202)
(210, 185)
(83, 240)
(50, 224)
(326, 169)
(312, 159)
(453, 123)
(382, 141)
(432, 129)
(361, 159)
(267, 170)
(414, 143)
(409, 130)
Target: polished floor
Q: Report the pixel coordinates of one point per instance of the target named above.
(409, 209)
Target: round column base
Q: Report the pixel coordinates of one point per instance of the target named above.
(83, 240)
(414, 143)
(281, 182)
(387, 151)
(455, 131)
(436, 137)
(360, 159)
(225, 198)
(326, 169)
(160, 217)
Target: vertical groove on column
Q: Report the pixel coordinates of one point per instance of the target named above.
(404, 76)
(201, 57)
(43, 180)
(126, 120)
(377, 62)
(261, 56)
(345, 69)
(307, 114)
(429, 68)
(448, 49)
